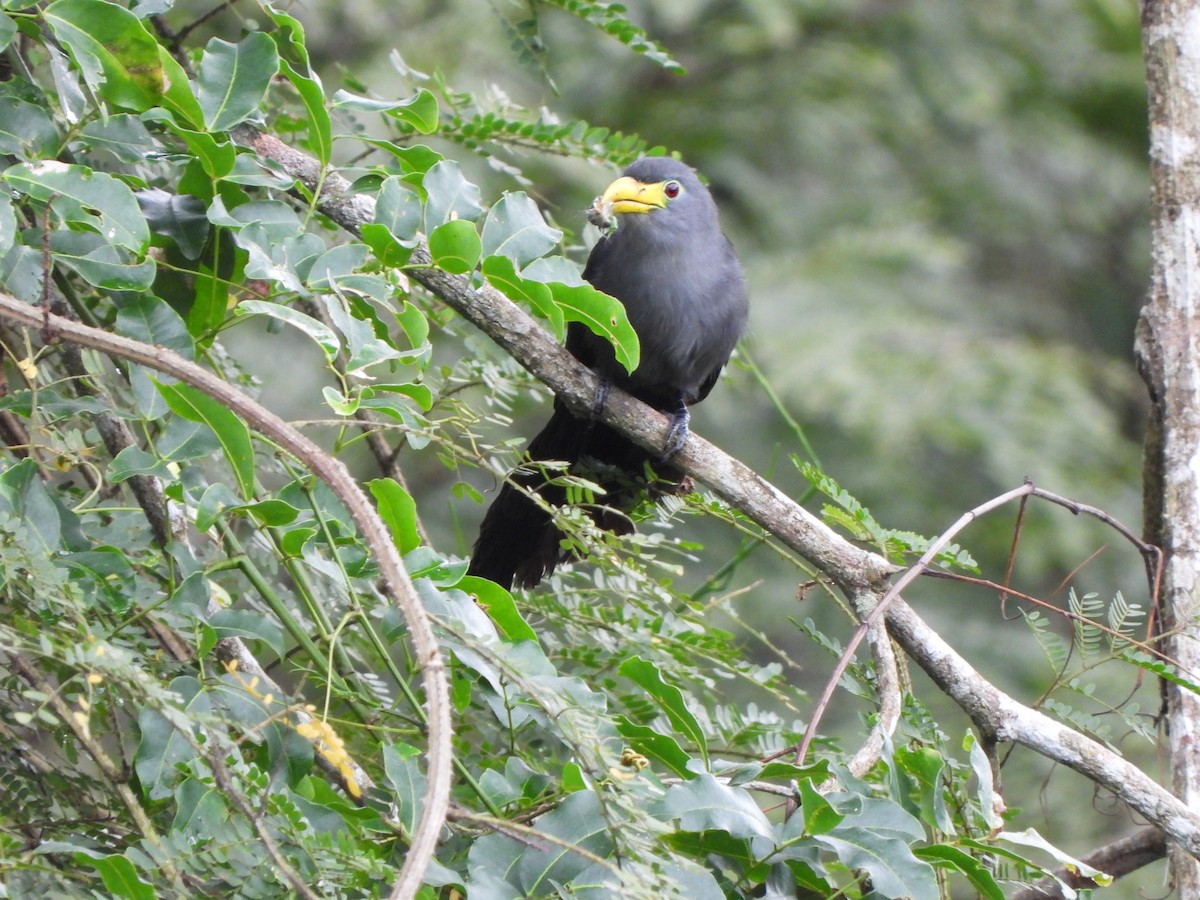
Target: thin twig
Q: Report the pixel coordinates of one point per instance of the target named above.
(181, 35)
(531, 837)
(1152, 556)
(386, 458)
(1065, 613)
(113, 773)
(216, 760)
(1011, 562)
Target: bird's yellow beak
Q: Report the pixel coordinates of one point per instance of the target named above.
(627, 195)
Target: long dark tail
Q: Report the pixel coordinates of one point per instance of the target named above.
(518, 541)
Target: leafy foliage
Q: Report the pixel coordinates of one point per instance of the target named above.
(609, 18)
(856, 519)
(612, 738)
(1102, 634)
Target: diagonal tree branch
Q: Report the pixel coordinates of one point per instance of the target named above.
(854, 570)
(850, 567)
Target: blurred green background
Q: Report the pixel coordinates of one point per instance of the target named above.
(942, 209)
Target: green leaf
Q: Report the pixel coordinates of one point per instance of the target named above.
(669, 699)
(233, 79)
(249, 625)
(1030, 838)
(182, 440)
(819, 815)
(314, 328)
(397, 400)
(420, 110)
(289, 36)
(146, 318)
(192, 597)
(8, 225)
(448, 195)
(212, 504)
(195, 406)
(89, 198)
(703, 804)
(68, 85)
(161, 747)
(363, 346)
(398, 209)
(612, 19)
(312, 95)
(8, 31)
(878, 814)
(216, 153)
(501, 273)
(602, 315)
(407, 781)
(500, 607)
(118, 57)
(411, 159)
(100, 263)
(26, 130)
(817, 772)
(273, 513)
(925, 766)
(534, 867)
(177, 91)
(210, 300)
(455, 247)
(661, 747)
(415, 325)
(398, 510)
(946, 857)
(23, 494)
(894, 870)
(335, 266)
(514, 227)
(181, 217)
(1161, 669)
(21, 270)
(986, 794)
(123, 135)
(119, 877)
(295, 539)
(136, 461)
(200, 810)
(572, 778)
(388, 251)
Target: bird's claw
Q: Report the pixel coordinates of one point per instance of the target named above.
(677, 434)
(603, 386)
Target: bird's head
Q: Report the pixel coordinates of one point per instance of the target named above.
(654, 194)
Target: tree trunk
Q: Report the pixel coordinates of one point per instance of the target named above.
(1168, 351)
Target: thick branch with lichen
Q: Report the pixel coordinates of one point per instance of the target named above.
(1168, 338)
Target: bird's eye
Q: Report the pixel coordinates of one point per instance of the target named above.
(672, 189)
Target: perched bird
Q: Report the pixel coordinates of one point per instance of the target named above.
(681, 285)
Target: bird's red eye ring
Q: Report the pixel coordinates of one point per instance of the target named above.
(672, 189)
